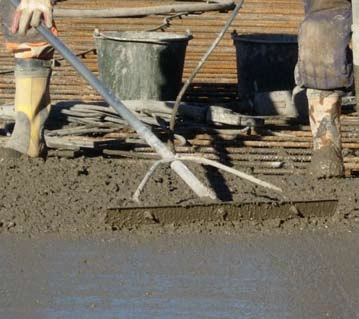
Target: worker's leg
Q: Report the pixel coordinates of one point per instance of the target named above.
(325, 69)
(32, 105)
(32, 98)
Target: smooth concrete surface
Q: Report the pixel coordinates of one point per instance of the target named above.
(303, 275)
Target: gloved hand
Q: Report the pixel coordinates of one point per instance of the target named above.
(30, 13)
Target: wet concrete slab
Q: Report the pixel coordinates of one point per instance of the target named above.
(301, 275)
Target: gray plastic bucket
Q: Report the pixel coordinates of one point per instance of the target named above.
(142, 65)
(265, 62)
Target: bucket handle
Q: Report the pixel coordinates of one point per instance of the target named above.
(101, 35)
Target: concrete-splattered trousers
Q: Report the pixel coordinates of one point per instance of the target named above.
(325, 60)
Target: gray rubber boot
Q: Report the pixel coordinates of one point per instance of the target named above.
(324, 115)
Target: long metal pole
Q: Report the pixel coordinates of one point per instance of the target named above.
(180, 168)
(355, 43)
(201, 63)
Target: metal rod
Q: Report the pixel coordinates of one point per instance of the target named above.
(200, 65)
(217, 5)
(181, 169)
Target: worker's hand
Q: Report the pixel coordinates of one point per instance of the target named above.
(30, 13)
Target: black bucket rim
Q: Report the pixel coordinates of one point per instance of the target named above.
(160, 38)
(264, 38)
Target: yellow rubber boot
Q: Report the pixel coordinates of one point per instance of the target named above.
(324, 115)
(32, 106)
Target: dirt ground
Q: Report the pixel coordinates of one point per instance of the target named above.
(73, 195)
